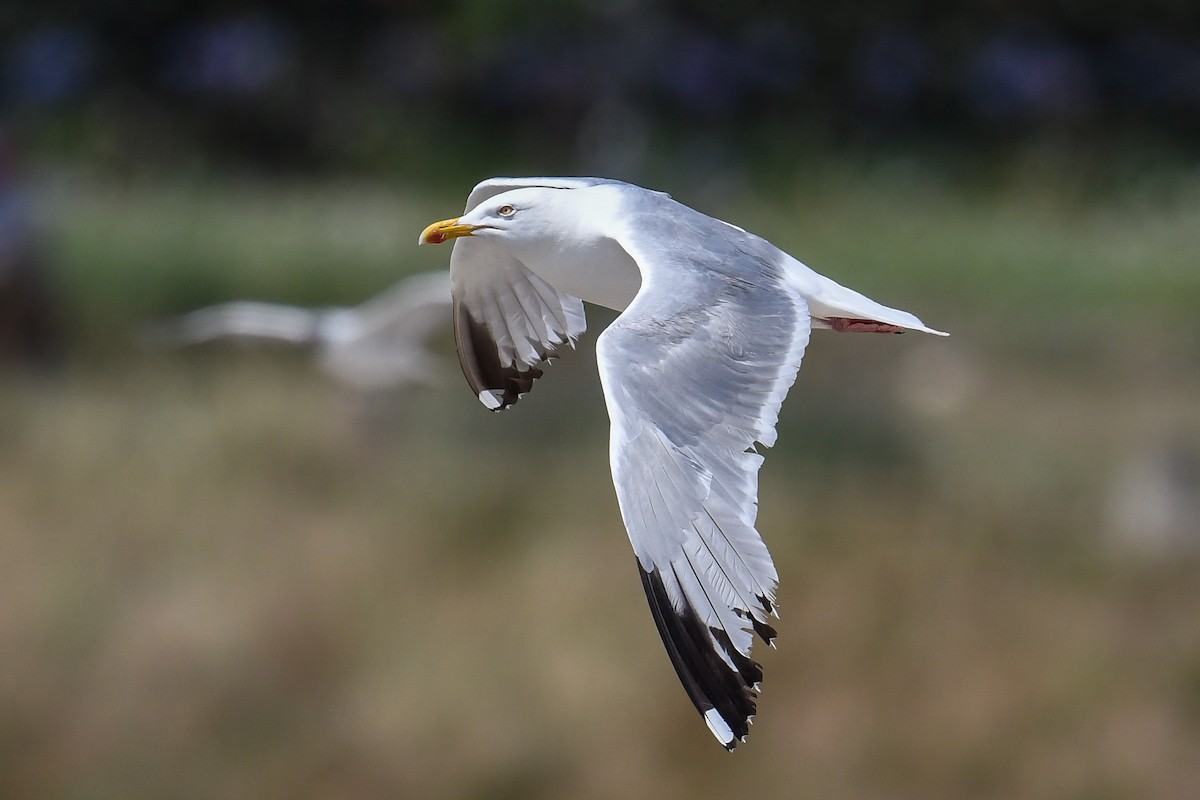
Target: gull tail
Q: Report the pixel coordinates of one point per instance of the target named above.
(835, 307)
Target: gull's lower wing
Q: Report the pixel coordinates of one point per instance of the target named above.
(694, 372)
(507, 321)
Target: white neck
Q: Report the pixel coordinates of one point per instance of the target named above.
(580, 260)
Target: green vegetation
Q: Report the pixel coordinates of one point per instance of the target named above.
(1028, 245)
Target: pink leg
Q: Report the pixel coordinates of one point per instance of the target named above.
(844, 324)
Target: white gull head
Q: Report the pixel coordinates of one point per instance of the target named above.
(564, 236)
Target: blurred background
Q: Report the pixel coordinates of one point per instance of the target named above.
(225, 574)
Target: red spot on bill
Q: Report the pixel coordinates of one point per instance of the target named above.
(437, 237)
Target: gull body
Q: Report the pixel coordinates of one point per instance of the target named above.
(714, 321)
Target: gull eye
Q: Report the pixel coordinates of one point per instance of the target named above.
(506, 211)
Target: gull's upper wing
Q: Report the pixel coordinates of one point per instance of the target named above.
(407, 312)
(694, 372)
(380, 343)
(507, 320)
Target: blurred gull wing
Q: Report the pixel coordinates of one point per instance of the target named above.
(375, 345)
(240, 319)
(381, 342)
(408, 312)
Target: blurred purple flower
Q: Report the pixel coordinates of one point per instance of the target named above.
(1019, 77)
(890, 69)
(239, 55)
(410, 60)
(50, 65)
(1155, 69)
(698, 72)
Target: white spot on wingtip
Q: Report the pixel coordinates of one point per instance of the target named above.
(718, 726)
(490, 399)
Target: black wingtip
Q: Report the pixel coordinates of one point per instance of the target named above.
(765, 631)
(767, 605)
(498, 387)
(713, 687)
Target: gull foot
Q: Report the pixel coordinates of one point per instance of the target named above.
(844, 324)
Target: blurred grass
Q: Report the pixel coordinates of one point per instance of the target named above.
(223, 577)
(1034, 244)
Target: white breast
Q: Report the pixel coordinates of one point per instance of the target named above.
(600, 273)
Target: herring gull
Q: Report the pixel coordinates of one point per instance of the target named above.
(713, 324)
(376, 345)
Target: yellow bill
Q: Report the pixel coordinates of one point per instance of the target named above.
(445, 230)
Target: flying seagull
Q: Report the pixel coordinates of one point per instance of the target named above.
(376, 345)
(713, 324)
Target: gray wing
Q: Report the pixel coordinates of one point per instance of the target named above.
(694, 372)
(381, 343)
(506, 319)
(407, 312)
